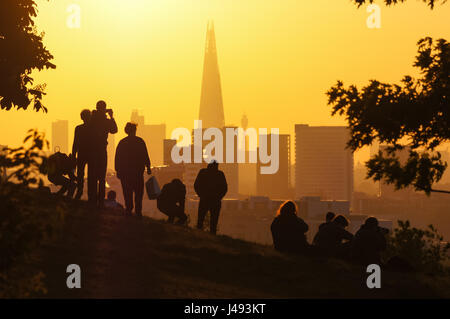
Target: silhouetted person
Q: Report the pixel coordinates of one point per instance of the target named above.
(99, 128)
(328, 218)
(332, 239)
(369, 242)
(111, 202)
(172, 199)
(288, 230)
(130, 162)
(60, 165)
(211, 186)
(81, 150)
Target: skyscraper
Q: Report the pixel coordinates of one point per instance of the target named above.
(60, 136)
(211, 103)
(276, 186)
(323, 164)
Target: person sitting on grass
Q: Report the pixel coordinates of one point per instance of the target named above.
(369, 242)
(111, 202)
(333, 240)
(328, 218)
(288, 230)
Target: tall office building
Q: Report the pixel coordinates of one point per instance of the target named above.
(211, 103)
(323, 164)
(247, 170)
(276, 186)
(60, 136)
(153, 135)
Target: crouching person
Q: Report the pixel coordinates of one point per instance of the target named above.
(59, 165)
(171, 201)
(288, 230)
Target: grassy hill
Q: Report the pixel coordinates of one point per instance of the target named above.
(126, 257)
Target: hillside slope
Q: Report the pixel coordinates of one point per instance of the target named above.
(126, 257)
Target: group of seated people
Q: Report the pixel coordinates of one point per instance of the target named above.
(331, 239)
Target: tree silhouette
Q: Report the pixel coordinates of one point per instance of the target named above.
(430, 3)
(21, 52)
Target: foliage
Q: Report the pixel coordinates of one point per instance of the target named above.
(417, 113)
(26, 163)
(28, 217)
(430, 3)
(21, 52)
(423, 249)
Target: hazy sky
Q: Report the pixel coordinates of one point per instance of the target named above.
(277, 58)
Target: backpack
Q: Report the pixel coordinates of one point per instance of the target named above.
(57, 163)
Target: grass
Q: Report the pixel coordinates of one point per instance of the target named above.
(126, 257)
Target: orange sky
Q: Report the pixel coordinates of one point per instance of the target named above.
(277, 58)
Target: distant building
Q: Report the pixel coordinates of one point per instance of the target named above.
(167, 154)
(60, 136)
(211, 102)
(323, 164)
(153, 135)
(276, 186)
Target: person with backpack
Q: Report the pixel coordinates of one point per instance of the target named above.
(59, 165)
(171, 201)
(81, 150)
(130, 162)
(211, 186)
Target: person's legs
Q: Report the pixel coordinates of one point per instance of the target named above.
(215, 212)
(127, 195)
(59, 180)
(81, 165)
(71, 187)
(103, 162)
(182, 217)
(139, 194)
(92, 180)
(202, 210)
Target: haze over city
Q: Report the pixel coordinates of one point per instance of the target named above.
(276, 60)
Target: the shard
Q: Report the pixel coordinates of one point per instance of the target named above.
(211, 103)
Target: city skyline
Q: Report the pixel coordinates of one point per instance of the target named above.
(269, 68)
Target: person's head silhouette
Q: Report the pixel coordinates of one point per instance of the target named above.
(329, 217)
(213, 165)
(85, 115)
(130, 129)
(287, 208)
(371, 223)
(111, 195)
(341, 221)
(101, 106)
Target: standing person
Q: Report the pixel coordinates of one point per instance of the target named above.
(211, 186)
(288, 230)
(171, 201)
(130, 162)
(99, 128)
(80, 150)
